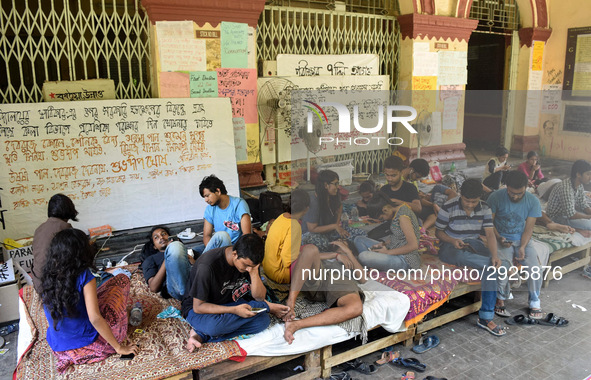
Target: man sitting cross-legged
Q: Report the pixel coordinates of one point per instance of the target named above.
(459, 224)
(216, 304)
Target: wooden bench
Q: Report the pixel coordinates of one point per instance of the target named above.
(582, 253)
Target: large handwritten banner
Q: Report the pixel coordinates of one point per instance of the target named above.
(365, 92)
(241, 86)
(127, 163)
(327, 65)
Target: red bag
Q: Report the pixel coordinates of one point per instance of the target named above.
(435, 173)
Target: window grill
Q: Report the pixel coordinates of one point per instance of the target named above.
(495, 16)
(374, 7)
(288, 30)
(55, 40)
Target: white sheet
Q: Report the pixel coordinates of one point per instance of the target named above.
(383, 306)
(25, 337)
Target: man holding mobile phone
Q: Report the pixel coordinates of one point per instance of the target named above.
(460, 222)
(515, 211)
(224, 288)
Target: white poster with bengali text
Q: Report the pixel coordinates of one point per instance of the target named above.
(126, 163)
(367, 93)
(327, 65)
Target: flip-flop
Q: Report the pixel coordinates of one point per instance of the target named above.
(412, 363)
(387, 356)
(428, 343)
(496, 331)
(501, 311)
(553, 320)
(410, 375)
(340, 376)
(360, 366)
(434, 378)
(521, 320)
(533, 312)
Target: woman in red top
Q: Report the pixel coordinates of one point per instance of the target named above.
(532, 170)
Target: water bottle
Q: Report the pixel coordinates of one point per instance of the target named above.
(355, 214)
(345, 220)
(135, 316)
(452, 169)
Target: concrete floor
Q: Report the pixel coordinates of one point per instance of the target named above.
(467, 352)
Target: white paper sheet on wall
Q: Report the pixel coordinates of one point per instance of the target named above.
(182, 54)
(327, 65)
(424, 64)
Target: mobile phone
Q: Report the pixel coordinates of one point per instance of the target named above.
(257, 310)
(127, 356)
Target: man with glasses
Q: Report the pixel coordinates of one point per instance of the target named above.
(515, 211)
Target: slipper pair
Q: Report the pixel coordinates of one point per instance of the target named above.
(427, 344)
(410, 363)
(360, 366)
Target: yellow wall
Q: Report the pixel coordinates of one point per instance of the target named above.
(563, 15)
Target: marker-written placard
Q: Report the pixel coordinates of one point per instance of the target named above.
(204, 84)
(126, 163)
(241, 86)
(234, 44)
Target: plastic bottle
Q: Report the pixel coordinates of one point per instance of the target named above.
(344, 219)
(452, 168)
(354, 214)
(135, 316)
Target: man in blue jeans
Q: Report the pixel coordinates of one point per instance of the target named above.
(226, 217)
(226, 296)
(515, 211)
(460, 222)
(165, 264)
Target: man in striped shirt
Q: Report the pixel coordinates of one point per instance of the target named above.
(460, 222)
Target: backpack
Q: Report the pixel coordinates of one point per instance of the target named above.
(271, 205)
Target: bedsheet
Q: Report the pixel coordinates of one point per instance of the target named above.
(161, 342)
(383, 306)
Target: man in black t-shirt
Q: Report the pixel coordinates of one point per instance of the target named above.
(217, 305)
(165, 264)
(398, 190)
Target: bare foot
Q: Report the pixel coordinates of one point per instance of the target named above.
(560, 228)
(290, 329)
(278, 310)
(194, 341)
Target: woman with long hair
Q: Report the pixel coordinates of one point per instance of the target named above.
(399, 250)
(77, 331)
(532, 169)
(322, 222)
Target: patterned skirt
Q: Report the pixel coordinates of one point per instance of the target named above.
(112, 299)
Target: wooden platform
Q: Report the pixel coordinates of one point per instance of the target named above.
(582, 254)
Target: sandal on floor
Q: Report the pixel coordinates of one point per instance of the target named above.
(340, 376)
(553, 320)
(536, 314)
(427, 344)
(521, 320)
(501, 311)
(434, 378)
(491, 327)
(410, 375)
(360, 366)
(387, 356)
(410, 363)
